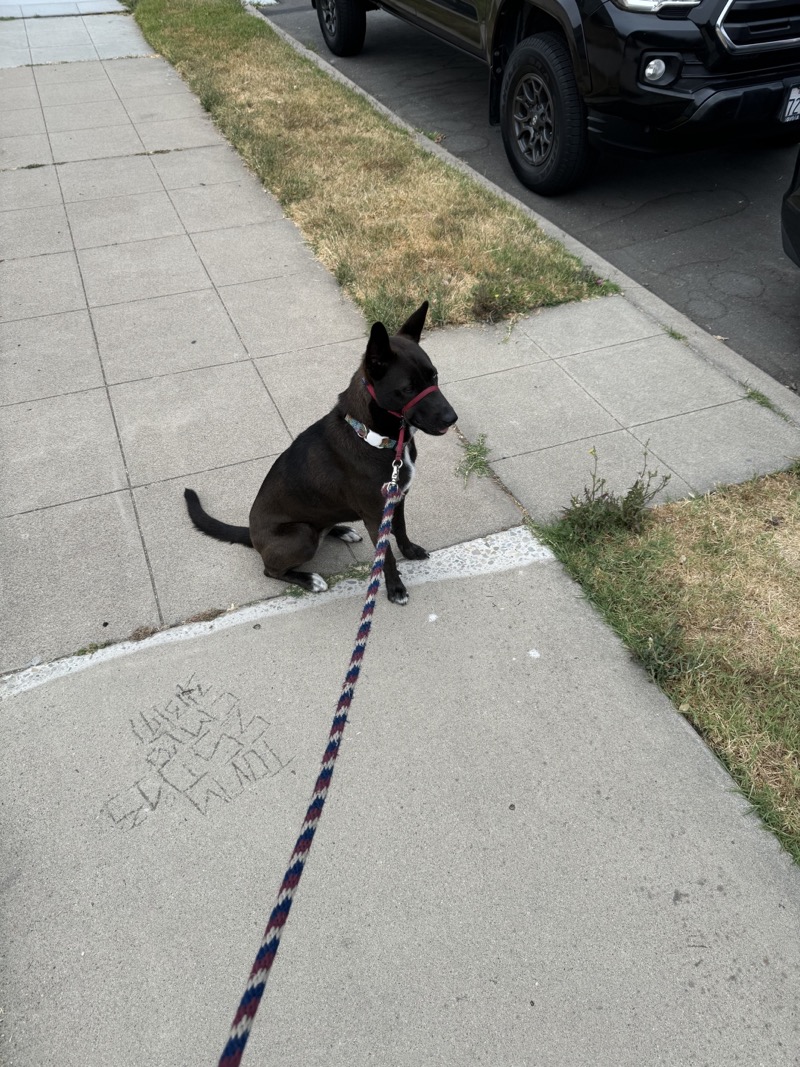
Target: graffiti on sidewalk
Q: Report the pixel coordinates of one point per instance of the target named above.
(200, 748)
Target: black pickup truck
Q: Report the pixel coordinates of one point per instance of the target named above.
(647, 74)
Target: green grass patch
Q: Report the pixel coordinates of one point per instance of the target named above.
(706, 594)
(95, 646)
(763, 401)
(676, 335)
(392, 223)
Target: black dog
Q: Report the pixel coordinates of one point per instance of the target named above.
(334, 470)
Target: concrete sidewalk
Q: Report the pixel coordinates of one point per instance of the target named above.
(564, 875)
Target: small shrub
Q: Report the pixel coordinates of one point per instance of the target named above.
(600, 511)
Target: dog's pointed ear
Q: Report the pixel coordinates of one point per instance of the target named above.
(413, 325)
(379, 351)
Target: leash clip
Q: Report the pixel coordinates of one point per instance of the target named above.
(391, 487)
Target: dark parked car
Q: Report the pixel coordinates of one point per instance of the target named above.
(790, 217)
(644, 73)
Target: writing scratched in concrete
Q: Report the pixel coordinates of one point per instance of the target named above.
(200, 746)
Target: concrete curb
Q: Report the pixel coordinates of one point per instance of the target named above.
(702, 343)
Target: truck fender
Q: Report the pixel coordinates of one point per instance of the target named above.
(517, 19)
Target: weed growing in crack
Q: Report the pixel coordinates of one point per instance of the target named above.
(475, 460)
(600, 510)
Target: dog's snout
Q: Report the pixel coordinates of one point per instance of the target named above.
(446, 419)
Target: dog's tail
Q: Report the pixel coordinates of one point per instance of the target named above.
(235, 535)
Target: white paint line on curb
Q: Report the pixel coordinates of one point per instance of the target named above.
(498, 552)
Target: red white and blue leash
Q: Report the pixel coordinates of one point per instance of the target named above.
(265, 957)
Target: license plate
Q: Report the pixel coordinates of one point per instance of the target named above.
(791, 109)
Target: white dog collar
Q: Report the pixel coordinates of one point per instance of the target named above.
(372, 438)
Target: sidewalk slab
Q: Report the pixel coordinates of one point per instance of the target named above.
(527, 408)
(58, 449)
(32, 150)
(48, 356)
(21, 189)
(99, 142)
(210, 165)
(120, 219)
(47, 34)
(193, 331)
(302, 399)
(98, 179)
(61, 118)
(239, 421)
(34, 231)
(66, 93)
(20, 97)
(40, 286)
(644, 381)
(73, 575)
(214, 207)
(723, 444)
(172, 134)
(588, 326)
(138, 270)
(70, 74)
(249, 253)
(519, 857)
(21, 121)
(296, 322)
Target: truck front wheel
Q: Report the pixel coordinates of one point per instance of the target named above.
(542, 116)
(343, 24)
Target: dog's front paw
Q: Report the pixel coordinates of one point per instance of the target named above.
(411, 551)
(398, 594)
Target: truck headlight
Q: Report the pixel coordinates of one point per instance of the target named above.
(654, 5)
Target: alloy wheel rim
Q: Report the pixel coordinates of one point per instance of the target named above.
(329, 16)
(533, 119)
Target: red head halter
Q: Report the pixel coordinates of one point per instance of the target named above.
(401, 414)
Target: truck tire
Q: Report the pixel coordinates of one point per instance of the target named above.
(542, 116)
(343, 24)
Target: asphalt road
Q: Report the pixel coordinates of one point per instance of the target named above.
(702, 230)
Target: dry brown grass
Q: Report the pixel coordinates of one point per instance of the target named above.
(391, 222)
(736, 571)
(738, 564)
(708, 596)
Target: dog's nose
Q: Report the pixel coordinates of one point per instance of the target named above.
(449, 418)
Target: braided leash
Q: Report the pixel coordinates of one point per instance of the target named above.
(248, 1006)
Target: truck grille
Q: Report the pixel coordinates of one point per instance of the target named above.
(759, 25)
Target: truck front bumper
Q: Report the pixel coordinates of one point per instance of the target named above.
(704, 93)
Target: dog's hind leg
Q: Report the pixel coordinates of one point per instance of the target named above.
(344, 533)
(309, 580)
(286, 546)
